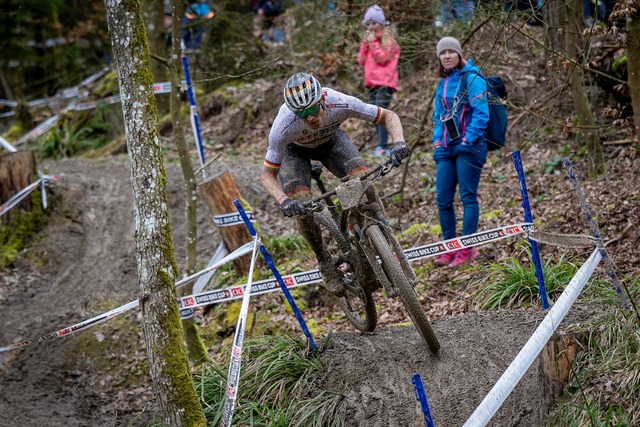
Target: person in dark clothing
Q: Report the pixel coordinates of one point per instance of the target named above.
(264, 22)
(192, 23)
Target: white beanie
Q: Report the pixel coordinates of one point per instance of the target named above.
(448, 43)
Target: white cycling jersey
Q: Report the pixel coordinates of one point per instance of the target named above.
(288, 128)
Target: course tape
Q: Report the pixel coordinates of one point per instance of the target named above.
(188, 303)
(5, 144)
(116, 311)
(227, 220)
(66, 93)
(19, 196)
(528, 353)
(76, 105)
(468, 241)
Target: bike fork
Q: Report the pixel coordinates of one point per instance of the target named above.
(388, 287)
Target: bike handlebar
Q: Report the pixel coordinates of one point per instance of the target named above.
(381, 169)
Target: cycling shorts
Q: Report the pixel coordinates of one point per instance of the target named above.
(338, 155)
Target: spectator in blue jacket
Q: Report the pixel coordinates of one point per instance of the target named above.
(461, 10)
(460, 117)
(192, 23)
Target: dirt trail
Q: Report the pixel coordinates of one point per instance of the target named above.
(88, 248)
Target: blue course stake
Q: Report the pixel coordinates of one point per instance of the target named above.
(195, 122)
(276, 274)
(535, 255)
(422, 398)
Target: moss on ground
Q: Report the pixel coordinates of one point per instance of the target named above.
(21, 232)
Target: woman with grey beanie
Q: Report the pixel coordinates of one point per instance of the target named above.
(460, 118)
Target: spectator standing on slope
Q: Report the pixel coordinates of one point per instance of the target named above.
(379, 54)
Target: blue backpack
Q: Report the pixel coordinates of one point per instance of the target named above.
(496, 134)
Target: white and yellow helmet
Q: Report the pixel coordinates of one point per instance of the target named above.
(301, 91)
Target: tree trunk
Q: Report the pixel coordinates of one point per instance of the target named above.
(552, 21)
(633, 58)
(196, 348)
(168, 362)
(154, 20)
(580, 100)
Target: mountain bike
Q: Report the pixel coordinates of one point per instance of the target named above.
(365, 251)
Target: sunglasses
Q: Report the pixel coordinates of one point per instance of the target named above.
(311, 111)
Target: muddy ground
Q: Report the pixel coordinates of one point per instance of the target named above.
(83, 264)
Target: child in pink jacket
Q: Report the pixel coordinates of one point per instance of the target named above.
(379, 54)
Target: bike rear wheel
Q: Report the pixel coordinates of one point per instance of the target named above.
(396, 275)
(357, 303)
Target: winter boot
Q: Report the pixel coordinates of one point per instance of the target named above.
(445, 258)
(464, 255)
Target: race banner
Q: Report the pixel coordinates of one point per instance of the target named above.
(188, 303)
(227, 220)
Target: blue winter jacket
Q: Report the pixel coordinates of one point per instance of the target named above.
(470, 111)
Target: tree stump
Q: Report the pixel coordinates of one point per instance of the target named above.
(17, 171)
(220, 192)
(556, 361)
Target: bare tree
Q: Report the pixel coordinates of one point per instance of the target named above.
(633, 58)
(196, 348)
(580, 100)
(154, 247)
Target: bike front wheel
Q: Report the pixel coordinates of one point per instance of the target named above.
(357, 303)
(396, 275)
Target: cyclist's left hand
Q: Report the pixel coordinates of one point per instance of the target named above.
(399, 152)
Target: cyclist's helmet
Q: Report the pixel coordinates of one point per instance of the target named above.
(301, 91)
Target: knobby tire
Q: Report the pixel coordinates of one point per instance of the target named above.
(358, 304)
(398, 278)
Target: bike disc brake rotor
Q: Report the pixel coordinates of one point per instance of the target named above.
(359, 307)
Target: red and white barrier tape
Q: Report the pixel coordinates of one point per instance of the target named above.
(189, 302)
(102, 317)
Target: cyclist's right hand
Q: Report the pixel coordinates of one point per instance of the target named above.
(292, 208)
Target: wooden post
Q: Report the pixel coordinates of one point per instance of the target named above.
(17, 171)
(556, 361)
(220, 192)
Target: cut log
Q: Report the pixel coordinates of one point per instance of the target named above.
(556, 361)
(17, 171)
(219, 193)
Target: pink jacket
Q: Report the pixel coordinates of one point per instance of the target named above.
(380, 64)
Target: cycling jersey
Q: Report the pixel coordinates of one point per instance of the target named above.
(288, 128)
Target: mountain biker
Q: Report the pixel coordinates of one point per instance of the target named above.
(307, 128)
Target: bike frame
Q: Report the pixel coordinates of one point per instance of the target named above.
(357, 216)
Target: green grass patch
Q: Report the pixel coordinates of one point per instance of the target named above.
(605, 386)
(22, 230)
(276, 387)
(513, 283)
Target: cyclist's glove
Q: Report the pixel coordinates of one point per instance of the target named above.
(292, 207)
(399, 152)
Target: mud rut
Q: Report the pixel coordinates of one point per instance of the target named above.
(88, 246)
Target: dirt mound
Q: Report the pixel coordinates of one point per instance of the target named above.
(89, 263)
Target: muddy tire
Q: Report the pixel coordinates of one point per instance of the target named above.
(357, 303)
(396, 275)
